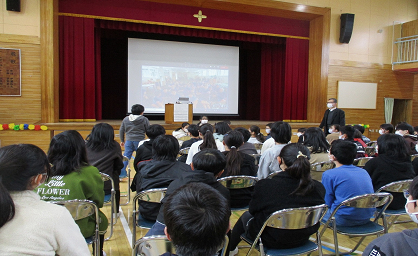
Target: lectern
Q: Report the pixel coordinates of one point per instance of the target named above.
(178, 113)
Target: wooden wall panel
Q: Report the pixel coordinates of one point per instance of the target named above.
(38, 138)
(25, 108)
(398, 85)
(410, 28)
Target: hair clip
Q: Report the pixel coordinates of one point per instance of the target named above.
(300, 154)
(233, 147)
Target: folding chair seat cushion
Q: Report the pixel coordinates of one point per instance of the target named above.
(144, 223)
(370, 227)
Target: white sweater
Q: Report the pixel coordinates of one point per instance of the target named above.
(194, 148)
(40, 228)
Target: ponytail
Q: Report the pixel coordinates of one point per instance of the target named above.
(208, 140)
(233, 140)
(7, 207)
(260, 137)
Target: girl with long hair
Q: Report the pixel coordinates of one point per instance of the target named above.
(256, 135)
(221, 129)
(208, 141)
(314, 138)
(291, 188)
(29, 226)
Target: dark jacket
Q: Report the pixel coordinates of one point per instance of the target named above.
(156, 174)
(271, 195)
(411, 141)
(337, 118)
(108, 161)
(248, 148)
(384, 170)
(143, 153)
(242, 197)
(189, 177)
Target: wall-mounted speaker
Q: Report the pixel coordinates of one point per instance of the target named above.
(13, 5)
(346, 28)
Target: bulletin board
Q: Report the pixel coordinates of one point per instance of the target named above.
(10, 82)
(357, 95)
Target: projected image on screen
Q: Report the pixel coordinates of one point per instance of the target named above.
(199, 72)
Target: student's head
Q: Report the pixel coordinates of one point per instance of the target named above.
(165, 147)
(357, 134)
(222, 128)
(197, 219)
(360, 128)
(281, 132)
(347, 132)
(254, 129)
(206, 132)
(209, 160)
(244, 132)
(334, 128)
(411, 205)
(332, 103)
(67, 153)
(137, 109)
(393, 146)
(233, 139)
(404, 129)
(22, 167)
(314, 137)
(154, 130)
(204, 119)
(343, 151)
(193, 130)
(386, 128)
(268, 127)
(184, 126)
(294, 159)
(228, 122)
(301, 131)
(102, 136)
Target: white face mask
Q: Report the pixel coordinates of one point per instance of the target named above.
(413, 216)
(268, 131)
(330, 105)
(299, 134)
(204, 121)
(329, 130)
(416, 147)
(341, 137)
(381, 132)
(399, 132)
(186, 131)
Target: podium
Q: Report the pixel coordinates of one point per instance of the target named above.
(178, 113)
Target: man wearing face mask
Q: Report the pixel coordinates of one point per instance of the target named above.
(400, 243)
(332, 115)
(407, 132)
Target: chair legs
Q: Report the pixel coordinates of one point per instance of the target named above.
(113, 212)
(128, 194)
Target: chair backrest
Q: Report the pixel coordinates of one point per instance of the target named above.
(79, 209)
(153, 246)
(154, 195)
(322, 166)
(184, 151)
(370, 151)
(361, 161)
(371, 144)
(413, 157)
(239, 181)
(258, 146)
(396, 186)
(271, 175)
(256, 158)
(106, 177)
(367, 200)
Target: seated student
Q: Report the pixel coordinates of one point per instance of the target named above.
(208, 141)
(203, 120)
(197, 218)
(361, 129)
(221, 129)
(159, 172)
(238, 163)
(72, 177)
(314, 140)
(194, 136)
(334, 133)
(268, 129)
(407, 132)
(344, 182)
(256, 135)
(246, 148)
(415, 130)
(359, 138)
(347, 134)
(399, 243)
(144, 152)
(182, 131)
(29, 226)
(300, 133)
(281, 133)
(392, 164)
(291, 188)
(386, 128)
(207, 167)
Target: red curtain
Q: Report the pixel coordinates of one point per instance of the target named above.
(79, 86)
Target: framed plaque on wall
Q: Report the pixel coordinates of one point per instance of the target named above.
(10, 83)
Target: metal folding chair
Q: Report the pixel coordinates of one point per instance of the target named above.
(128, 171)
(258, 147)
(318, 169)
(271, 175)
(112, 200)
(370, 228)
(151, 196)
(183, 151)
(361, 161)
(256, 158)
(295, 218)
(80, 209)
(413, 157)
(238, 182)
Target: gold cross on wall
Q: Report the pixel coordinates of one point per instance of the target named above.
(199, 16)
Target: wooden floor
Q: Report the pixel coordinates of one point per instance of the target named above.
(119, 245)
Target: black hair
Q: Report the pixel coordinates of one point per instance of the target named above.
(67, 153)
(360, 128)
(194, 130)
(222, 128)
(344, 151)
(102, 137)
(269, 124)
(281, 132)
(336, 127)
(182, 126)
(296, 157)
(154, 130)
(209, 160)
(244, 132)
(201, 117)
(233, 140)
(357, 134)
(347, 130)
(258, 135)
(387, 127)
(137, 109)
(413, 188)
(333, 99)
(314, 137)
(208, 140)
(405, 126)
(302, 130)
(393, 146)
(165, 147)
(227, 122)
(18, 165)
(197, 219)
